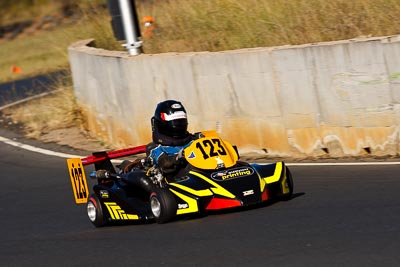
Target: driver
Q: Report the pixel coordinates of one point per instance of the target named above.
(170, 136)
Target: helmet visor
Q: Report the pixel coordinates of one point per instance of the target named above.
(178, 127)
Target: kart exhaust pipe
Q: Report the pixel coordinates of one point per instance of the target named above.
(100, 174)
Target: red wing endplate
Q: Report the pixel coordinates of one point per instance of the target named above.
(78, 180)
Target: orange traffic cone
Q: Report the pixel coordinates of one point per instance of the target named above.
(148, 23)
(16, 69)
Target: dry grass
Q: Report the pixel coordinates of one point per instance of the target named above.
(34, 55)
(54, 111)
(199, 25)
(182, 26)
(20, 10)
(46, 51)
(216, 25)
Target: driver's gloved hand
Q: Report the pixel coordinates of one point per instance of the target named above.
(180, 155)
(198, 135)
(167, 164)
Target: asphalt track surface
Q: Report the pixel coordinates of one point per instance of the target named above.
(339, 216)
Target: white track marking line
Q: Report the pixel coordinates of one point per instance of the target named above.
(44, 151)
(63, 155)
(36, 149)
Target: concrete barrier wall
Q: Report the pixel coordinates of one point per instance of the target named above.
(338, 98)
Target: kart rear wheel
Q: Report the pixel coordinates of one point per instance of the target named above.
(163, 205)
(289, 181)
(95, 211)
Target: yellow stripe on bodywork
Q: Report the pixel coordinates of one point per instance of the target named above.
(117, 213)
(217, 189)
(199, 193)
(285, 186)
(262, 183)
(192, 203)
(277, 174)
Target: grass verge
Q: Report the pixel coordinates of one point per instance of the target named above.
(180, 26)
(42, 115)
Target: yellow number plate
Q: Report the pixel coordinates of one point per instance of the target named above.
(78, 180)
(211, 153)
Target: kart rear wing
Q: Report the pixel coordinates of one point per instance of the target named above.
(104, 155)
(101, 160)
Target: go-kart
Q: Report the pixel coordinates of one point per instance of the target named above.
(213, 179)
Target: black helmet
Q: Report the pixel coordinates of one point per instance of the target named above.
(170, 119)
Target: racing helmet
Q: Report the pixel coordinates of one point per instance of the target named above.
(170, 119)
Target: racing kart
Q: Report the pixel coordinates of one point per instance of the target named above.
(214, 179)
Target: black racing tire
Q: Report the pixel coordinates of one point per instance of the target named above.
(163, 205)
(95, 211)
(289, 181)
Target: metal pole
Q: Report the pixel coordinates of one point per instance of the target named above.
(133, 44)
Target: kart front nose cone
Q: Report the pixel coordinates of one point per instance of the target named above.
(91, 211)
(155, 206)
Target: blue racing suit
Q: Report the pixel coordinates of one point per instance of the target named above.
(165, 150)
(161, 150)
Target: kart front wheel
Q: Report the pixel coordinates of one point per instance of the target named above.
(163, 205)
(95, 211)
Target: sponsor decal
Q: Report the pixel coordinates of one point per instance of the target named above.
(192, 155)
(232, 173)
(183, 206)
(104, 194)
(248, 192)
(174, 116)
(176, 106)
(220, 163)
(116, 213)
